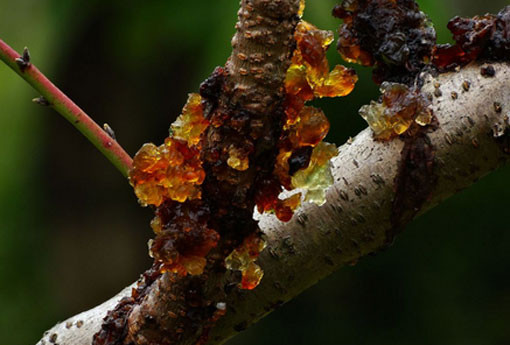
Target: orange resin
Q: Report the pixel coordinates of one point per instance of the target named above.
(174, 169)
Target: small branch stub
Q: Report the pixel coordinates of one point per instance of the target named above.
(24, 60)
(109, 131)
(41, 101)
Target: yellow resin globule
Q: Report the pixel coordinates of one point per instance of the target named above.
(190, 125)
(193, 265)
(156, 225)
(243, 259)
(317, 177)
(238, 159)
(302, 4)
(399, 107)
(251, 276)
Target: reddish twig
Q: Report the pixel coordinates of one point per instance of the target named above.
(55, 98)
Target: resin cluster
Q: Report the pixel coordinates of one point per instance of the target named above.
(220, 162)
(303, 158)
(170, 177)
(392, 35)
(397, 39)
(173, 170)
(398, 109)
(480, 37)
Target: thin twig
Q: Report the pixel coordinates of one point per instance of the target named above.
(64, 106)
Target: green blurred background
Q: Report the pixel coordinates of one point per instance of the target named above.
(72, 234)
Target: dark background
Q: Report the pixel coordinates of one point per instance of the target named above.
(72, 234)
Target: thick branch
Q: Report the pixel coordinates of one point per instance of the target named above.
(472, 140)
(53, 97)
(261, 52)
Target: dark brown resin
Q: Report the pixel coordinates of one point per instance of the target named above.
(392, 35)
(484, 37)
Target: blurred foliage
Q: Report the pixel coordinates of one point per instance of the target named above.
(25, 303)
(72, 235)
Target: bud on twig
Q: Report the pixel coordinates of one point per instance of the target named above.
(24, 60)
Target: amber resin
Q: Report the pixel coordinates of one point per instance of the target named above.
(308, 77)
(398, 108)
(223, 157)
(170, 171)
(190, 125)
(204, 186)
(172, 174)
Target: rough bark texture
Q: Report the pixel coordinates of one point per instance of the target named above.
(471, 140)
(261, 50)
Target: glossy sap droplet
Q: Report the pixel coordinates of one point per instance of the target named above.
(251, 276)
(312, 128)
(243, 259)
(308, 75)
(190, 125)
(284, 209)
(170, 171)
(317, 177)
(302, 5)
(238, 159)
(156, 225)
(399, 108)
(340, 82)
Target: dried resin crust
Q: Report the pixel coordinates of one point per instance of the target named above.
(397, 39)
(392, 35)
(484, 37)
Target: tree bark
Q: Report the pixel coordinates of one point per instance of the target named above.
(471, 140)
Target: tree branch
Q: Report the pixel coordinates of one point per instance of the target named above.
(53, 97)
(472, 139)
(261, 50)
